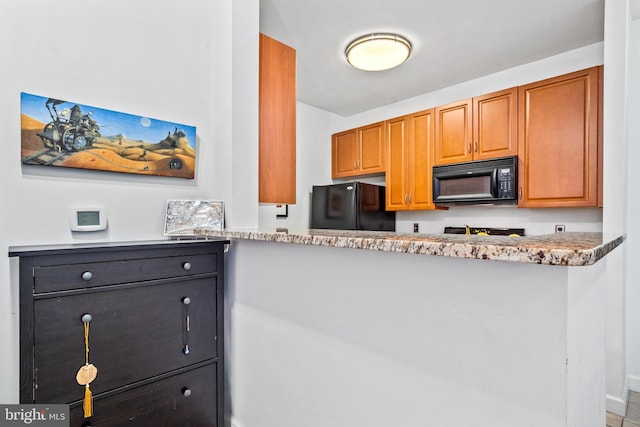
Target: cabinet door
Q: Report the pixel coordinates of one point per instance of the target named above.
(397, 184)
(558, 141)
(185, 400)
(410, 154)
(495, 125)
(453, 133)
(344, 153)
(277, 128)
(137, 332)
(420, 151)
(372, 153)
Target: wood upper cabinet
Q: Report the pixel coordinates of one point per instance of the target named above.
(453, 133)
(409, 160)
(277, 122)
(359, 151)
(344, 152)
(480, 128)
(372, 148)
(495, 125)
(559, 141)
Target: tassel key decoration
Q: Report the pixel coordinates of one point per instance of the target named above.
(87, 405)
(88, 372)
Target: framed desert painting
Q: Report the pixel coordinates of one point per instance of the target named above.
(61, 133)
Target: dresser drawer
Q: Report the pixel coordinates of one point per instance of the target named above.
(137, 332)
(90, 274)
(162, 403)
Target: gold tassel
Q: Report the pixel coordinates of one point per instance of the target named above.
(88, 402)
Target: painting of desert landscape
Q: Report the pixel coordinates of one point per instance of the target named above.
(71, 135)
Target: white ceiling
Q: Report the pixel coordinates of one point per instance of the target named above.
(453, 41)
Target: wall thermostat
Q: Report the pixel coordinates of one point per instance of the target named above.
(87, 219)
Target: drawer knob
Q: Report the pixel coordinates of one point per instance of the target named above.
(86, 318)
(87, 275)
(186, 300)
(186, 266)
(186, 392)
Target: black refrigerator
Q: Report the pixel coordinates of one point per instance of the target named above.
(351, 206)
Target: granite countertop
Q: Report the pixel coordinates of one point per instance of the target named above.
(568, 249)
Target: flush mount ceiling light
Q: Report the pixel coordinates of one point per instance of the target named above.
(379, 51)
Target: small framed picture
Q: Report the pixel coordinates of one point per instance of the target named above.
(184, 216)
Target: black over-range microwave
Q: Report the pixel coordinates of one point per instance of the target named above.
(492, 181)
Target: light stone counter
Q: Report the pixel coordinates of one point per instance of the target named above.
(566, 249)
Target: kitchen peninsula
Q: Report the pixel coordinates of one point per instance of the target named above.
(360, 328)
(573, 249)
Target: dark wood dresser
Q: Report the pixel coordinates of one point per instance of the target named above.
(155, 332)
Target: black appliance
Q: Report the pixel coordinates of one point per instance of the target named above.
(492, 181)
(351, 206)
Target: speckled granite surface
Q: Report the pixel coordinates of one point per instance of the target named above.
(568, 249)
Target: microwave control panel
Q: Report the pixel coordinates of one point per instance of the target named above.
(506, 183)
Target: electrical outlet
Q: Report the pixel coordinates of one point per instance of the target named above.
(560, 228)
(416, 227)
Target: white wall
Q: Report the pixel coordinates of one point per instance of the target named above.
(345, 337)
(633, 205)
(170, 60)
(616, 36)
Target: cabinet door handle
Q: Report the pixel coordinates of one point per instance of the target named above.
(186, 391)
(520, 193)
(186, 266)
(475, 146)
(469, 148)
(187, 325)
(87, 275)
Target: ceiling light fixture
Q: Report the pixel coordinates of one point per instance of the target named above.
(378, 51)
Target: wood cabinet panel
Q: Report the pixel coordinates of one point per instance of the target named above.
(559, 141)
(372, 148)
(65, 277)
(141, 327)
(344, 152)
(277, 123)
(480, 128)
(422, 129)
(410, 156)
(397, 182)
(495, 125)
(359, 151)
(453, 132)
(162, 403)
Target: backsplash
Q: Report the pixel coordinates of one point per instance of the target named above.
(534, 221)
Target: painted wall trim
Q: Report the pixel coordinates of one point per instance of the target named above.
(616, 405)
(634, 383)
